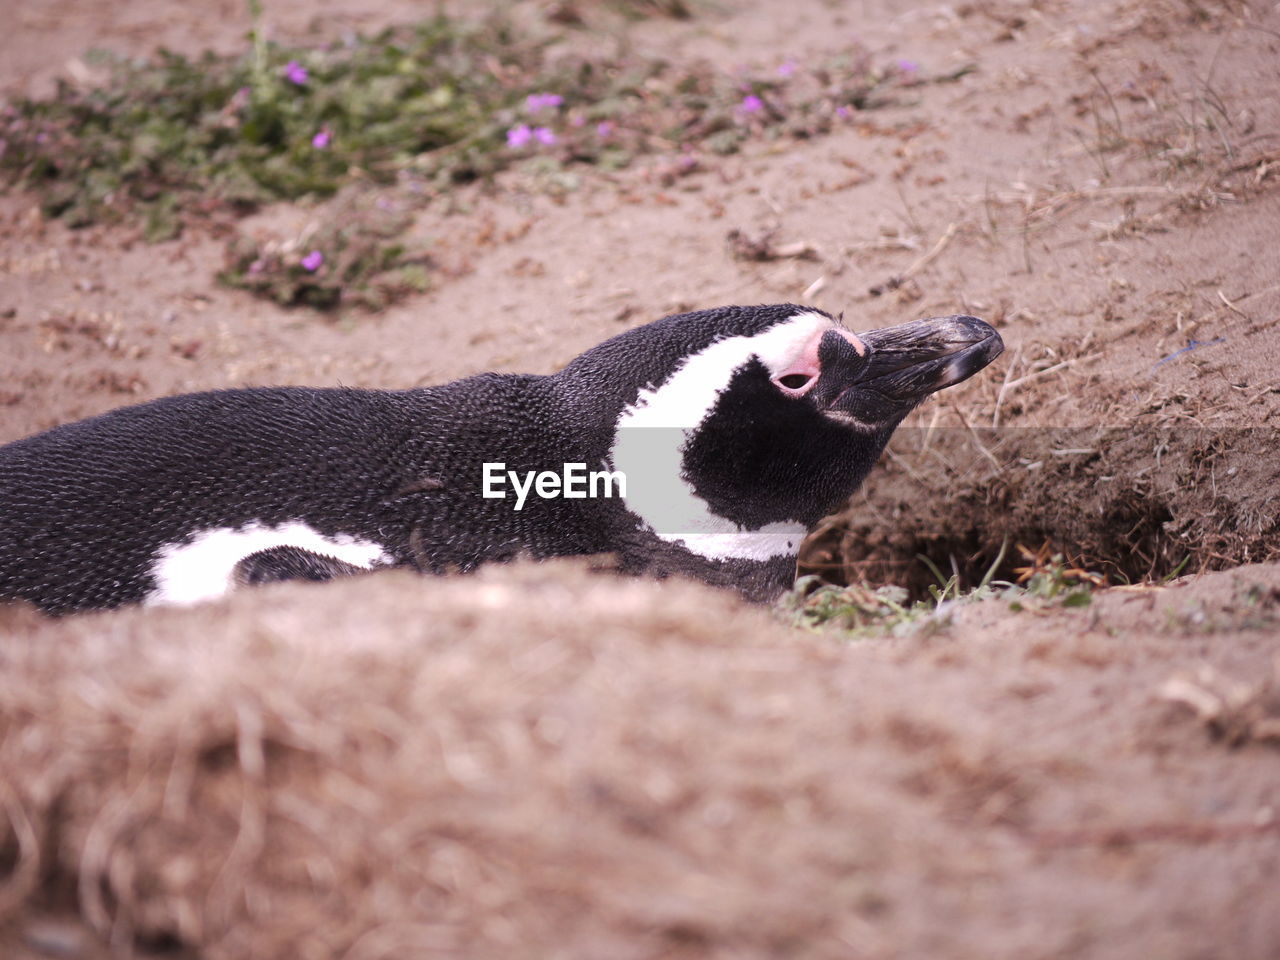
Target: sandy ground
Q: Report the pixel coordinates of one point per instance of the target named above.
(1095, 782)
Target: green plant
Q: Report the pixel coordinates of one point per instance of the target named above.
(859, 610)
(353, 256)
(175, 141)
(1047, 576)
(864, 611)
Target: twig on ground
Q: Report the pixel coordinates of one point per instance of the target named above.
(910, 471)
(1233, 308)
(894, 282)
(1060, 365)
(761, 248)
(1013, 364)
(973, 434)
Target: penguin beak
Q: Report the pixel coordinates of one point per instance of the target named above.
(912, 360)
(906, 363)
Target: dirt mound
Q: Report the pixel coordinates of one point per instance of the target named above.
(537, 761)
(1136, 505)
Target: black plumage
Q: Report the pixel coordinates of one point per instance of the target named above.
(87, 509)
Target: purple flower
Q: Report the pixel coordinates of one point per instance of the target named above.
(322, 138)
(786, 68)
(751, 104)
(843, 112)
(517, 137)
(604, 129)
(257, 266)
(544, 136)
(908, 66)
(537, 101)
(312, 261)
(295, 73)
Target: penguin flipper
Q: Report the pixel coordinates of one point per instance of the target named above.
(278, 564)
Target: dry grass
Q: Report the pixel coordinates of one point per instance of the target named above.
(532, 763)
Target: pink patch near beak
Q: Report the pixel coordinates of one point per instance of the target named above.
(853, 339)
(806, 365)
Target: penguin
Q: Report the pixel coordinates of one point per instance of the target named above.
(705, 444)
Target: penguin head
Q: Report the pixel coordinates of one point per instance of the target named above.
(739, 428)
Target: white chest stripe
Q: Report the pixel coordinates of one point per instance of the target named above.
(202, 569)
(771, 540)
(649, 446)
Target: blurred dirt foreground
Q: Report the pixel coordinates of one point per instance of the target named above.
(546, 761)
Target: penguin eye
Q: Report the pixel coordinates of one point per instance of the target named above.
(795, 384)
